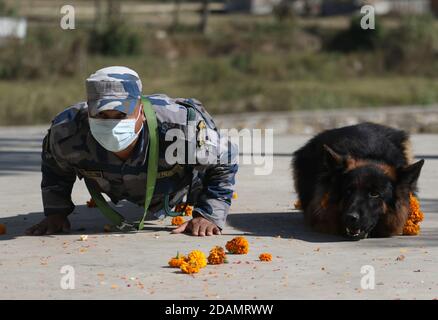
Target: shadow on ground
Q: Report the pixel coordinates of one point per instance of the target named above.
(86, 220)
(15, 162)
(83, 220)
(291, 225)
(278, 224)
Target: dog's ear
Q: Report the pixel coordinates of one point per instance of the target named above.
(408, 175)
(333, 159)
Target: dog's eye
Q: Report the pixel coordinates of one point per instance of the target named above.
(373, 194)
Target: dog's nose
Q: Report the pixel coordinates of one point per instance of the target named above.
(352, 218)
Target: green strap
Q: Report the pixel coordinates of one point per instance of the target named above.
(152, 171)
(168, 210)
(108, 212)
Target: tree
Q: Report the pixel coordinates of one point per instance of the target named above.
(176, 12)
(5, 10)
(98, 16)
(204, 16)
(114, 10)
(283, 10)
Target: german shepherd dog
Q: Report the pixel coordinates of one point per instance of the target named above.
(356, 181)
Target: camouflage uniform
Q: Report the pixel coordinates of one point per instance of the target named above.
(70, 151)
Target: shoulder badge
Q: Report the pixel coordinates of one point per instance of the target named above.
(202, 133)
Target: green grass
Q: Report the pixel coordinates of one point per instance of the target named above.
(240, 65)
(37, 102)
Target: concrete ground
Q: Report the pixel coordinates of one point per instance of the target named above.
(125, 266)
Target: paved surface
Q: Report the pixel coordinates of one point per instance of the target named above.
(415, 119)
(305, 264)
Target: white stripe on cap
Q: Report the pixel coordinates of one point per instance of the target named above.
(102, 74)
(110, 105)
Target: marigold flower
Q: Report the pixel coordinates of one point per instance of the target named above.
(177, 261)
(188, 211)
(217, 256)
(190, 267)
(91, 203)
(177, 221)
(197, 257)
(2, 228)
(412, 226)
(239, 245)
(265, 257)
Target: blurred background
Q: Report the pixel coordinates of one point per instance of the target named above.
(235, 56)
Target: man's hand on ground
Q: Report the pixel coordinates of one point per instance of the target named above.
(50, 225)
(198, 226)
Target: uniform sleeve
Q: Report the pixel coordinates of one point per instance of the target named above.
(217, 159)
(57, 180)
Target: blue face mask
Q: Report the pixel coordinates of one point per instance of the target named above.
(114, 135)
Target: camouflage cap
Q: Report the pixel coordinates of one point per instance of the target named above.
(113, 88)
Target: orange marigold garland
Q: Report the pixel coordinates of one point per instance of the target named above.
(412, 225)
(177, 221)
(238, 245)
(177, 261)
(265, 257)
(217, 256)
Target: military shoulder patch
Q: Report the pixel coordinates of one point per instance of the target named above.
(202, 133)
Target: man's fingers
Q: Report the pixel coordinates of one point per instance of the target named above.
(195, 229)
(198, 228)
(210, 230)
(203, 229)
(181, 228)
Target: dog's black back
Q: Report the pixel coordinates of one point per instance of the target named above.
(363, 141)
